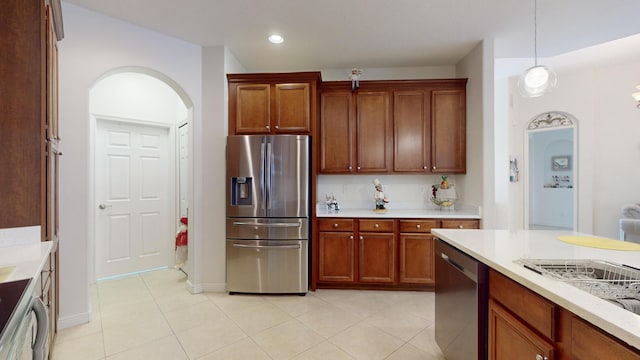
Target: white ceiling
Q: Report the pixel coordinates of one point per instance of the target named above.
(336, 34)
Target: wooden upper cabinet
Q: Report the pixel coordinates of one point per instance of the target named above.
(448, 131)
(272, 103)
(411, 129)
(337, 132)
(373, 123)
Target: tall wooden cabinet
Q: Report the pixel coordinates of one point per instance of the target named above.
(272, 103)
(30, 30)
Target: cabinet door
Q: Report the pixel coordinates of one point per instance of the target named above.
(337, 135)
(588, 342)
(376, 258)
(448, 131)
(336, 261)
(292, 114)
(252, 109)
(373, 131)
(411, 129)
(511, 339)
(416, 258)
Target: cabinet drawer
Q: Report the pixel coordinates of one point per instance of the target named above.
(535, 310)
(461, 224)
(376, 225)
(335, 224)
(418, 226)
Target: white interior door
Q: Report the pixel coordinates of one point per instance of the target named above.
(133, 231)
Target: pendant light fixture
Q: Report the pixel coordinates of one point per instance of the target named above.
(538, 79)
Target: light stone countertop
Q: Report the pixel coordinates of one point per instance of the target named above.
(28, 259)
(399, 211)
(499, 248)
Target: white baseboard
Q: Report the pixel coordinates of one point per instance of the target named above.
(69, 321)
(207, 287)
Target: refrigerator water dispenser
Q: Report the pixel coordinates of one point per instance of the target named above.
(241, 190)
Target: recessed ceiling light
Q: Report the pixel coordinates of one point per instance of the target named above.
(276, 39)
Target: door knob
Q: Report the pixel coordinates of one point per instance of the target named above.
(103, 206)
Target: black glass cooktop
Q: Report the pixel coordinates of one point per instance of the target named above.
(10, 294)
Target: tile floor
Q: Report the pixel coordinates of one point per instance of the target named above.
(153, 316)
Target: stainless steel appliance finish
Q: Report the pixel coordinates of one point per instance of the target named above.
(268, 202)
(460, 304)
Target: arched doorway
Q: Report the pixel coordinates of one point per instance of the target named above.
(139, 130)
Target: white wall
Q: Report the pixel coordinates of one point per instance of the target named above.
(598, 95)
(95, 44)
(137, 96)
(393, 73)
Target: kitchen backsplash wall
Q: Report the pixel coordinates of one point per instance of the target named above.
(403, 191)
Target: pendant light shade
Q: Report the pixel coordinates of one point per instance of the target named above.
(538, 79)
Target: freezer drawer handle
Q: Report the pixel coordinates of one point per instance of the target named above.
(244, 223)
(267, 246)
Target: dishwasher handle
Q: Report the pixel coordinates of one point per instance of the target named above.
(467, 272)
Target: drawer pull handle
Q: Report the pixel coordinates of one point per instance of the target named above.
(335, 226)
(460, 226)
(418, 226)
(540, 357)
(377, 226)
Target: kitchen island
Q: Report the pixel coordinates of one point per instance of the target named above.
(499, 248)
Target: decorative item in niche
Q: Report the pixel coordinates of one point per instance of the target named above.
(560, 163)
(550, 120)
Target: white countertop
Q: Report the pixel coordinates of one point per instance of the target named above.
(499, 248)
(460, 211)
(28, 259)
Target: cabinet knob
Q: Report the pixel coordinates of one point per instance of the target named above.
(335, 226)
(361, 238)
(350, 168)
(418, 226)
(268, 127)
(351, 237)
(376, 226)
(460, 226)
(277, 127)
(540, 357)
(358, 167)
(425, 167)
(434, 167)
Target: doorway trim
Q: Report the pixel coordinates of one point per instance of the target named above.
(549, 121)
(194, 243)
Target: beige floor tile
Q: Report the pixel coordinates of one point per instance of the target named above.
(295, 305)
(235, 303)
(365, 303)
(366, 342)
(257, 318)
(426, 342)
(287, 339)
(328, 320)
(193, 316)
(129, 314)
(398, 322)
(90, 347)
(78, 331)
(209, 337)
(323, 351)
(118, 338)
(410, 352)
(166, 348)
(178, 299)
(242, 350)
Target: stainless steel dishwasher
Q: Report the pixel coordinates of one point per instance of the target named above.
(461, 304)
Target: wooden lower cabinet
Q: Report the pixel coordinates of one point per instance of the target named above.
(524, 325)
(509, 338)
(376, 258)
(337, 261)
(378, 253)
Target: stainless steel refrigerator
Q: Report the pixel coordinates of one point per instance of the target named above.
(268, 202)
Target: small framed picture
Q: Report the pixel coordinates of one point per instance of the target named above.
(559, 163)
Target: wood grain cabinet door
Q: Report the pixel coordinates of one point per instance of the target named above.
(510, 339)
(293, 112)
(253, 109)
(416, 259)
(337, 132)
(336, 260)
(373, 121)
(588, 342)
(448, 131)
(411, 129)
(376, 258)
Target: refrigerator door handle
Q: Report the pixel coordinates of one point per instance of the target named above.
(297, 246)
(263, 189)
(268, 164)
(244, 223)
